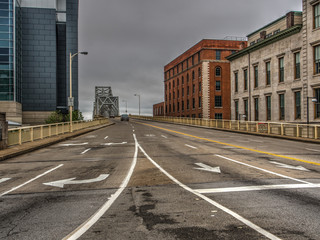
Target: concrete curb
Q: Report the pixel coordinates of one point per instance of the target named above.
(15, 151)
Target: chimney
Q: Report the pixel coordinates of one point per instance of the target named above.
(290, 19)
(263, 34)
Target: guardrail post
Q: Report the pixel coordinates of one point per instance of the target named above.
(41, 132)
(49, 130)
(298, 130)
(230, 124)
(238, 125)
(269, 129)
(282, 130)
(31, 134)
(257, 127)
(315, 132)
(222, 124)
(20, 137)
(247, 126)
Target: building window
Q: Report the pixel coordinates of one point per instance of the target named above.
(182, 66)
(256, 77)
(256, 109)
(169, 96)
(169, 108)
(236, 109)
(268, 74)
(281, 107)
(316, 15)
(193, 75)
(178, 82)
(188, 90)
(199, 86)
(317, 95)
(281, 69)
(276, 31)
(218, 85)
(193, 103)
(245, 106)
(245, 79)
(169, 85)
(182, 92)
(218, 116)
(297, 65)
(182, 106)
(218, 54)
(199, 102)
(217, 101)
(187, 63)
(252, 43)
(198, 56)
(188, 104)
(178, 106)
(178, 94)
(193, 88)
(199, 72)
(174, 95)
(218, 71)
(192, 60)
(173, 108)
(317, 59)
(187, 77)
(173, 84)
(268, 107)
(182, 80)
(297, 104)
(236, 81)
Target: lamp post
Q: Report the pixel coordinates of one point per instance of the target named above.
(139, 101)
(71, 100)
(126, 104)
(314, 100)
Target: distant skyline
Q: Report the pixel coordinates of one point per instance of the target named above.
(130, 41)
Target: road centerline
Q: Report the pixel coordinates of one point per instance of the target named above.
(232, 145)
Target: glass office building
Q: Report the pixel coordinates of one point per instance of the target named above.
(10, 43)
(36, 37)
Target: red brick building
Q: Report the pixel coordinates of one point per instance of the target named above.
(197, 83)
(158, 109)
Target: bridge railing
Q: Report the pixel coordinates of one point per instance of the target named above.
(310, 131)
(18, 136)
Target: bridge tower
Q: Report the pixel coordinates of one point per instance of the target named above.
(105, 103)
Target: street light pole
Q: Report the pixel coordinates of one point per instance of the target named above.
(139, 101)
(71, 100)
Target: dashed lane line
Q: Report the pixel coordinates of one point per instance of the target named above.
(191, 146)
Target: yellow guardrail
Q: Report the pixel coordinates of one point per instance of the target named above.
(18, 136)
(310, 131)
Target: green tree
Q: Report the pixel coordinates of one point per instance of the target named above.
(58, 117)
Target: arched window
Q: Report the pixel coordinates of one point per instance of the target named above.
(218, 71)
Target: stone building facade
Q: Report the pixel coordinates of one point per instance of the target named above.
(278, 74)
(197, 83)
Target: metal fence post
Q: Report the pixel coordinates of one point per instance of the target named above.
(315, 132)
(41, 132)
(20, 137)
(282, 130)
(31, 134)
(298, 130)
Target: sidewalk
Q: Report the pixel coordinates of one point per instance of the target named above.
(17, 150)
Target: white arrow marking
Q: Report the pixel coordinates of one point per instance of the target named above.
(73, 144)
(290, 166)
(4, 179)
(63, 182)
(205, 167)
(109, 144)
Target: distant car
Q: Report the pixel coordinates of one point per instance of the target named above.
(111, 116)
(124, 117)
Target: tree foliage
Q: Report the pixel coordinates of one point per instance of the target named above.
(58, 117)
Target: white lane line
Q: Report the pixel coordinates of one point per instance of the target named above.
(4, 179)
(191, 146)
(312, 150)
(31, 180)
(214, 203)
(264, 170)
(73, 144)
(86, 151)
(106, 137)
(164, 136)
(256, 188)
(79, 231)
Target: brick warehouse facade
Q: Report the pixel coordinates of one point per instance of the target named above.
(197, 83)
(158, 109)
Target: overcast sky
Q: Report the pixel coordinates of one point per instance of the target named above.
(130, 41)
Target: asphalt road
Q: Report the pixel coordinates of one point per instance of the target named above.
(147, 180)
